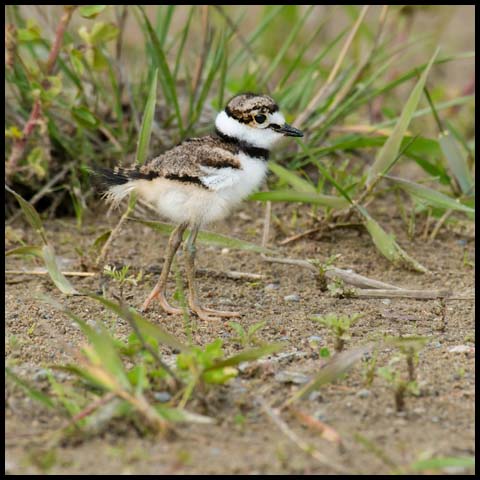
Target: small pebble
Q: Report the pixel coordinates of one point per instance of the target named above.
(292, 298)
(435, 419)
(453, 470)
(242, 367)
(292, 377)
(40, 375)
(461, 349)
(272, 286)
(320, 415)
(225, 251)
(315, 338)
(244, 216)
(462, 242)
(315, 396)
(386, 301)
(363, 393)
(162, 396)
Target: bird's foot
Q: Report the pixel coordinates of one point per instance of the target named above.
(163, 303)
(206, 314)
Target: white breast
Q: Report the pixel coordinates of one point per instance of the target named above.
(232, 184)
(227, 187)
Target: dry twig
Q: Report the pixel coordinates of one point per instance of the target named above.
(292, 436)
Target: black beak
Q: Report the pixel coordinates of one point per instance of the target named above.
(290, 131)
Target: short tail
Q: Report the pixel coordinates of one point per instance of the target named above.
(116, 184)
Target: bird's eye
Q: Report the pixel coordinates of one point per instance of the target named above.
(260, 118)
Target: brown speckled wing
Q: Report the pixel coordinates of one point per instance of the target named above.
(185, 161)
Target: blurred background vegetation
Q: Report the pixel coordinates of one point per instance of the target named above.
(77, 80)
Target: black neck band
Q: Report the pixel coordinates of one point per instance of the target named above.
(244, 147)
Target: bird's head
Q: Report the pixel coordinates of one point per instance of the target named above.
(254, 119)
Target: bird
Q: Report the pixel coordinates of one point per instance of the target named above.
(201, 180)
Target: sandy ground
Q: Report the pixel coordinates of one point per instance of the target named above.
(438, 422)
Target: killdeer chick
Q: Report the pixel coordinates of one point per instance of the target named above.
(202, 179)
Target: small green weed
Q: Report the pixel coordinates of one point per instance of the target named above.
(339, 326)
(247, 337)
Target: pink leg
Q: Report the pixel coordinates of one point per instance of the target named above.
(203, 313)
(160, 288)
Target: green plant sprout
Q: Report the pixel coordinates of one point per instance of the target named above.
(399, 384)
(339, 326)
(247, 337)
(370, 366)
(120, 276)
(338, 289)
(322, 268)
(409, 348)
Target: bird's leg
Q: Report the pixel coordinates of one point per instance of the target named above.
(160, 288)
(203, 313)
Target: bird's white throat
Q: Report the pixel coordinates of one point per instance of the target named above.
(257, 137)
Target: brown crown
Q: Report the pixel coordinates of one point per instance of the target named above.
(241, 107)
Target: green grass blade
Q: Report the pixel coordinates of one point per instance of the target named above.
(247, 356)
(91, 11)
(185, 32)
(300, 197)
(339, 364)
(208, 238)
(388, 153)
(102, 342)
(56, 275)
(32, 392)
(295, 64)
(214, 69)
(238, 328)
(430, 196)
(223, 78)
(427, 111)
(443, 462)
(433, 169)
(146, 328)
(325, 172)
(286, 45)
(291, 178)
(179, 415)
(147, 121)
(256, 327)
(421, 146)
(387, 245)
(30, 213)
(407, 76)
(163, 24)
(268, 19)
(25, 250)
(166, 78)
(457, 161)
